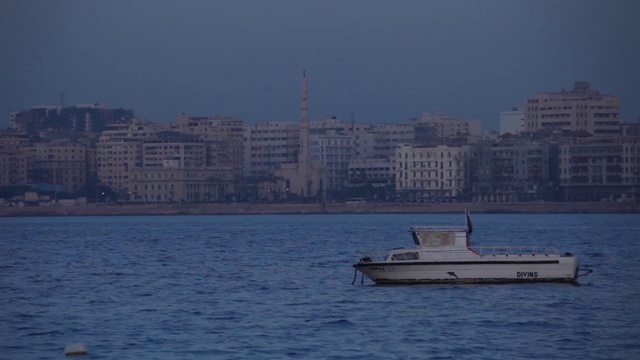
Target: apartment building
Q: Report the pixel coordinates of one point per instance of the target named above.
(16, 158)
(78, 118)
(334, 151)
(513, 170)
(61, 164)
(363, 133)
(579, 110)
(388, 136)
(12, 138)
(430, 173)
(119, 150)
(375, 171)
(15, 164)
(32, 120)
(223, 135)
(269, 144)
(181, 151)
(451, 127)
(600, 168)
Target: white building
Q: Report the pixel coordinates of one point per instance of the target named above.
(581, 109)
(423, 173)
(512, 121)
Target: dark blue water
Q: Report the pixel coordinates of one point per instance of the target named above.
(271, 287)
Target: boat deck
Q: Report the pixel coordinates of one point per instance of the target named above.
(402, 254)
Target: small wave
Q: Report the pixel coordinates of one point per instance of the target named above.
(52, 332)
(340, 322)
(26, 316)
(596, 255)
(147, 310)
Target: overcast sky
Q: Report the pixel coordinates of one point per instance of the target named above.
(384, 61)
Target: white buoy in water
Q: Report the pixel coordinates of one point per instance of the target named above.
(75, 349)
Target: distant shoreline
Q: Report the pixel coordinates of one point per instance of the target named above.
(329, 208)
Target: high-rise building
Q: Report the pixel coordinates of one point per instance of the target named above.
(512, 122)
(78, 118)
(579, 110)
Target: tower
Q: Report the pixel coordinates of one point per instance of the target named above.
(302, 177)
(304, 157)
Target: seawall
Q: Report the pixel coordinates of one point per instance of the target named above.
(370, 208)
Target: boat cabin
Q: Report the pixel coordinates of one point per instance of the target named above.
(440, 236)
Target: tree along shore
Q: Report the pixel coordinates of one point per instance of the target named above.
(329, 208)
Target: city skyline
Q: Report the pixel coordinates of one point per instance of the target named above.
(383, 62)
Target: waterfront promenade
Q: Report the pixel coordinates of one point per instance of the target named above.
(329, 208)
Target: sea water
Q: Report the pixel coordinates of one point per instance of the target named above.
(279, 287)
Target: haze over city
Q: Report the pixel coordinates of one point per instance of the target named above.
(383, 61)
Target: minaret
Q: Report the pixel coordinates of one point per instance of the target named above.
(304, 159)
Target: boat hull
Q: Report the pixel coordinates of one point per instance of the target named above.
(561, 269)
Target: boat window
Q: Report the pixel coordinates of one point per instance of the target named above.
(405, 256)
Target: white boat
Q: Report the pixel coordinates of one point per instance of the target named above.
(443, 254)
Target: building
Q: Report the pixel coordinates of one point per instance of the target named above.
(600, 168)
(451, 127)
(268, 145)
(119, 150)
(512, 122)
(431, 173)
(223, 135)
(78, 118)
(333, 151)
(513, 170)
(15, 165)
(375, 171)
(169, 184)
(61, 163)
(180, 151)
(363, 134)
(388, 136)
(581, 109)
(32, 120)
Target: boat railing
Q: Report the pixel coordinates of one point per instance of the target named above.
(439, 228)
(515, 250)
(372, 256)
